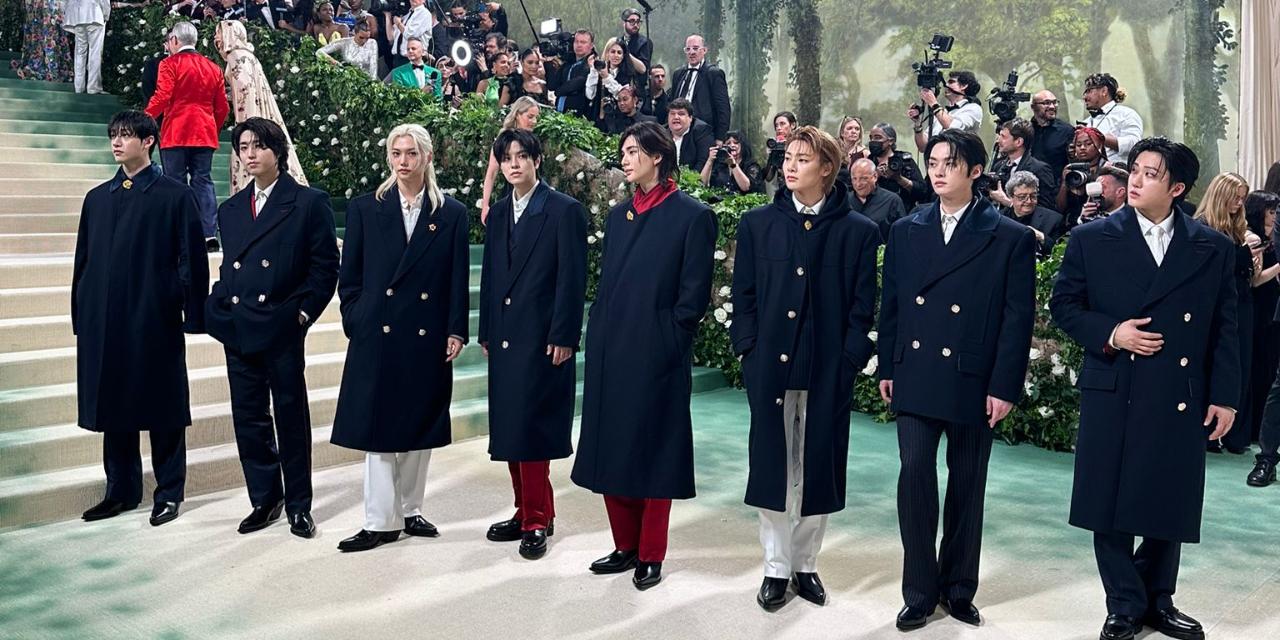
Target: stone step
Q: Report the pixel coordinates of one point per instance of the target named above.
(37, 243)
(39, 222)
(20, 123)
(47, 496)
(97, 173)
(91, 142)
(71, 112)
(34, 201)
(99, 155)
(36, 93)
(18, 83)
(75, 187)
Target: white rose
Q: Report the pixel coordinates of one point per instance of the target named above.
(347, 193)
(315, 94)
(466, 190)
(728, 323)
(724, 291)
(333, 142)
(721, 315)
(1059, 369)
(332, 118)
(728, 306)
(316, 117)
(364, 181)
(581, 175)
(560, 158)
(1045, 412)
(365, 144)
(325, 172)
(377, 130)
(591, 239)
(471, 181)
(1034, 353)
(323, 128)
(315, 142)
(1071, 375)
(870, 369)
(721, 255)
(612, 202)
(873, 336)
(1028, 386)
(595, 209)
(600, 234)
(294, 69)
(478, 203)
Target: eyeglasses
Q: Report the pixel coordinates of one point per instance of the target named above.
(632, 20)
(1026, 197)
(1046, 103)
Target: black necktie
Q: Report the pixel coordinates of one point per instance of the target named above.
(688, 82)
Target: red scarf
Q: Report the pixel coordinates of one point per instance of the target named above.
(643, 202)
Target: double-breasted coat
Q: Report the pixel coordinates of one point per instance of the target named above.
(1140, 452)
(273, 266)
(401, 299)
(139, 281)
(956, 318)
(636, 438)
(824, 272)
(533, 287)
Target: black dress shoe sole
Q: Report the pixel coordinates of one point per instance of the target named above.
(307, 533)
(911, 625)
(377, 542)
(1179, 634)
(533, 553)
(642, 585)
(418, 533)
(1265, 482)
(977, 622)
(611, 569)
(164, 519)
(503, 536)
(770, 606)
(256, 527)
(106, 514)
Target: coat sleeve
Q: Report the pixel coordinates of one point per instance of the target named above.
(459, 277)
(887, 328)
(81, 259)
(322, 272)
(486, 284)
(1225, 378)
(703, 139)
(163, 97)
(571, 278)
(720, 103)
(1069, 304)
(193, 265)
(351, 269)
(857, 346)
(695, 273)
(220, 107)
(745, 329)
(1013, 344)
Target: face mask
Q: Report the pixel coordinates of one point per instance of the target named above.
(876, 148)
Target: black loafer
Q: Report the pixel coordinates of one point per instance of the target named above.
(302, 525)
(615, 562)
(533, 544)
(911, 618)
(962, 610)
(162, 512)
(1118, 627)
(1263, 474)
(505, 531)
(366, 540)
(809, 587)
(773, 594)
(418, 526)
(1175, 624)
(261, 517)
(108, 508)
(647, 574)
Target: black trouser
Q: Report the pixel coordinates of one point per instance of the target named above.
(123, 462)
(259, 383)
(1137, 582)
(1269, 438)
(952, 571)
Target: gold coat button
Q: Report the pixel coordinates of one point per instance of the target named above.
(507, 302)
(265, 263)
(262, 297)
(1186, 317)
(791, 314)
(235, 299)
(505, 344)
(955, 308)
(920, 300)
(424, 296)
(1183, 362)
(783, 358)
(235, 265)
(915, 344)
(422, 332)
(390, 292)
(799, 271)
(1182, 406)
(946, 352)
(386, 328)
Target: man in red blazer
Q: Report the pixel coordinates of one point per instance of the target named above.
(191, 97)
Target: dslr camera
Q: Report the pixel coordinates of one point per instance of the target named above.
(553, 41)
(777, 151)
(1005, 99)
(929, 72)
(1078, 175)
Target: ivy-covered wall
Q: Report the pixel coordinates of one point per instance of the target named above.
(339, 118)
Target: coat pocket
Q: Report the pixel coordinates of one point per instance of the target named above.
(970, 364)
(1097, 379)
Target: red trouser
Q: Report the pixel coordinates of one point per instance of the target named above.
(640, 524)
(535, 501)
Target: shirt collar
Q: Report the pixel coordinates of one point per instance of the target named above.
(1145, 225)
(414, 202)
(266, 193)
(817, 208)
(187, 48)
(958, 214)
(523, 201)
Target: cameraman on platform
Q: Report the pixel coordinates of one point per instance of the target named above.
(638, 49)
(730, 166)
(1013, 139)
(897, 171)
(964, 112)
(570, 81)
(1051, 136)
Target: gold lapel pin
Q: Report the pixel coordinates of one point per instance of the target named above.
(808, 224)
(631, 215)
(128, 184)
(431, 227)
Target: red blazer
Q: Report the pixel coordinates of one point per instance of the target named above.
(191, 96)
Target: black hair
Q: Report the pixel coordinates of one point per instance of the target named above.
(743, 144)
(529, 142)
(966, 78)
(966, 147)
(654, 140)
(269, 134)
(137, 124)
(1106, 81)
(1180, 162)
(361, 25)
(791, 117)
(1256, 206)
(664, 68)
(683, 105)
(1272, 181)
(498, 37)
(1021, 129)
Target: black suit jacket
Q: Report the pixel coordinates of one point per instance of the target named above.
(1046, 221)
(655, 106)
(283, 262)
(710, 97)
(1048, 197)
(570, 84)
(695, 146)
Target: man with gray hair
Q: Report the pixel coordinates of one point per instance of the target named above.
(191, 97)
(882, 206)
(1023, 188)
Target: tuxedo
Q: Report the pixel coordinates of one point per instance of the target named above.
(710, 96)
(695, 147)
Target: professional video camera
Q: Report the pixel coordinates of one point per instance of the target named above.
(553, 41)
(1005, 98)
(929, 72)
(777, 151)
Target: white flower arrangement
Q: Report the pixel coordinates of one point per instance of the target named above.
(591, 239)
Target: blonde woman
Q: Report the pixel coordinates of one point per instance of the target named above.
(522, 115)
(404, 299)
(851, 139)
(251, 95)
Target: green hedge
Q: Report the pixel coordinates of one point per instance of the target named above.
(339, 118)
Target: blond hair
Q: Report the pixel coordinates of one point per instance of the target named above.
(422, 140)
(517, 109)
(824, 147)
(1218, 208)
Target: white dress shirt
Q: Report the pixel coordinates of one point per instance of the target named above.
(260, 197)
(519, 204)
(418, 23)
(967, 116)
(950, 220)
(411, 209)
(800, 206)
(692, 74)
(678, 139)
(1157, 236)
(1123, 123)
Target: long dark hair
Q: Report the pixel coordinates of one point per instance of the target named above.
(746, 156)
(1256, 206)
(654, 140)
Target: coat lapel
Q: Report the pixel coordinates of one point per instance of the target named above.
(975, 231)
(391, 223)
(1186, 255)
(279, 206)
(1123, 241)
(924, 240)
(527, 233)
(429, 226)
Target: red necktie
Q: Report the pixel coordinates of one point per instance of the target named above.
(253, 205)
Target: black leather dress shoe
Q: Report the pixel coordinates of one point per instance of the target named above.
(1263, 474)
(647, 574)
(366, 540)
(533, 544)
(912, 618)
(1118, 627)
(108, 508)
(302, 525)
(1175, 624)
(261, 517)
(615, 562)
(162, 512)
(418, 526)
(773, 594)
(1214, 446)
(809, 587)
(505, 531)
(962, 610)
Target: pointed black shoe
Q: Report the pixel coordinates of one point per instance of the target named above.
(108, 508)
(615, 562)
(302, 525)
(366, 540)
(809, 587)
(911, 618)
(163, 512)
(1263, 474)
(418, 526)
(533, 544)
(647, 575)
(261, 517)
(773, 594)
(1118, 627)
(962, 610)
(505, 531)
(1175, 624)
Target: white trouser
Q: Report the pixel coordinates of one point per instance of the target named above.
(791, 542)
(88, 56)
(394, 484)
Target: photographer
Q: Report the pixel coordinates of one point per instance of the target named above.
(639, 49)
(964, 113)
(897, 171)
(625, 113)
(610, 76)
(655, 102)
(784, 122)
(1047, 224)
(1113, 193)
(730, 166)
(572, 82)
(1121, 126)
(693, 138)
(1051, 136)
(417, 23)
(1013, 139)
(1087, 155)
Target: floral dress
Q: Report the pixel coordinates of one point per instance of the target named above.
(46, 47)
